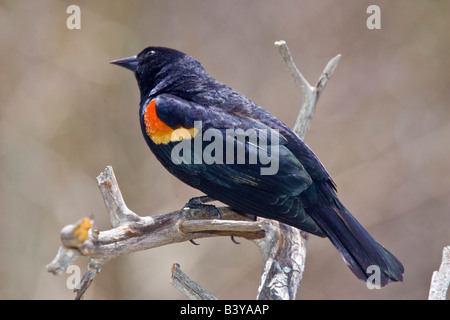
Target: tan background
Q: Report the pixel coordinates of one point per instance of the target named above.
(382, 129)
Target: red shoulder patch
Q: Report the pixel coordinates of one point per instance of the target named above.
(160, 132)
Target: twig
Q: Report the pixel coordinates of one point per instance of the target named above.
(64, 258)
(115, 205)
(94, 267)
(187, 286)
(310, 94)
(283, 247)
(440, 281)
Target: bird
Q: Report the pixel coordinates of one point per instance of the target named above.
(218, 141)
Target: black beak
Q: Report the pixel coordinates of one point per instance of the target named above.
(130, 63)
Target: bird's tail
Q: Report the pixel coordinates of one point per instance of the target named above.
(367, 259)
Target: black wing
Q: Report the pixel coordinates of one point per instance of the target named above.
(242, 186)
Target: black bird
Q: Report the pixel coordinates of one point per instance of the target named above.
(221, 143)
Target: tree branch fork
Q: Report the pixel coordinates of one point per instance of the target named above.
(283, 247)
(132, 232)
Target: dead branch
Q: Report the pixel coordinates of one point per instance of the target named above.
(284, 253)
(187, 286)
(283, 248)
(440, 280)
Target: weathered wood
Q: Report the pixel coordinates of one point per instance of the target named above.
(440, 280)
(187, 286)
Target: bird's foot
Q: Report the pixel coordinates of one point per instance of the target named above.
(200, 203)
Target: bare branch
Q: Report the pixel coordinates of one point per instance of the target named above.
(135, 233)
(64, 258)
(310, 94)
(327, 73)
(187, 286)
(115, 205)
(284, 254)
(299, 80)
(440, 280)
(220, 226)
(284, 247)
(94, 267)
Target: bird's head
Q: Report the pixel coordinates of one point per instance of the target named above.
(156, 68)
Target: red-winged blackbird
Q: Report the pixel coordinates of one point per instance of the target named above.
(211, 137)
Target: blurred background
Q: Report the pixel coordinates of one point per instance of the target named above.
(382, 129)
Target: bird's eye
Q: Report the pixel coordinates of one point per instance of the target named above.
(151, 52)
